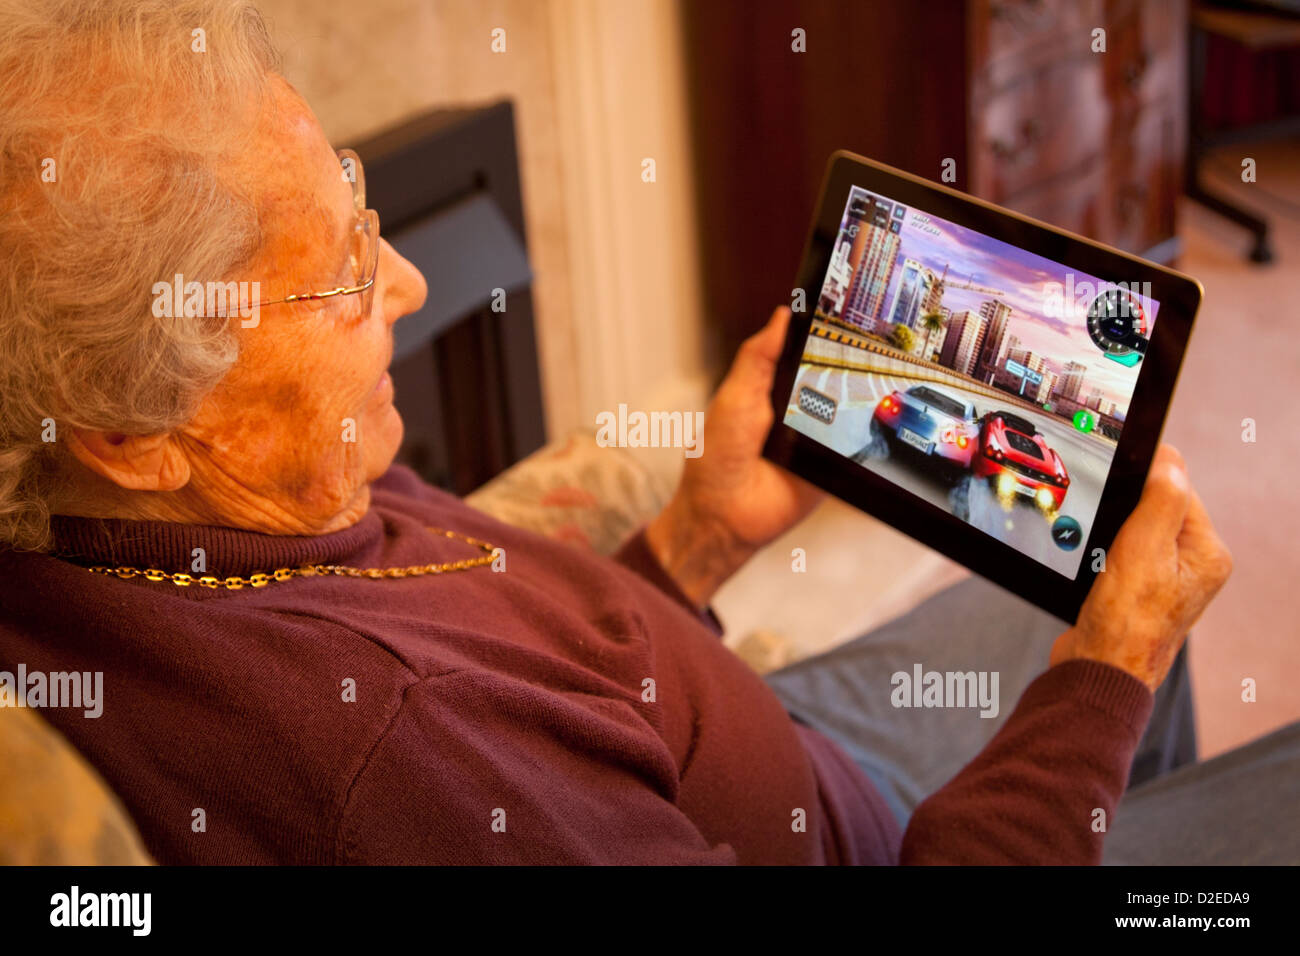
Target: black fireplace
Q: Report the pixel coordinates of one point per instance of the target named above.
(446, 187)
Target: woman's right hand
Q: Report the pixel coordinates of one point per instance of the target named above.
(1164, 567)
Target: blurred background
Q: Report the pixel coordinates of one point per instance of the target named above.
(630, 182)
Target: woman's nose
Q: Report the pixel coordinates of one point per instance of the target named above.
(404, 289)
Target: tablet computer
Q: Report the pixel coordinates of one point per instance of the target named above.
(989, 384)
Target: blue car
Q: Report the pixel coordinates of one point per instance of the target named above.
(943, 429)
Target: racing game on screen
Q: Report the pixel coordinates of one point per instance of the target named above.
(981, 377)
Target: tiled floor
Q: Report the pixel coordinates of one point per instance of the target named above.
(1243, 362)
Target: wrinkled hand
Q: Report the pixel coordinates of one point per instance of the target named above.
(731, 500)
(1166, 564)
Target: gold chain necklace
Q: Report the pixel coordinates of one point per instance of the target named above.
(262, 579)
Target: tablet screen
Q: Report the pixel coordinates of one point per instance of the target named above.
(987, 380)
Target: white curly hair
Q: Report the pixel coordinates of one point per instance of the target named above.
(115, 119)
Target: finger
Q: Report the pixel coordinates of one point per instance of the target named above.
(1198, 530)
(1157, 521)
(1199, 543)
(1168, 454)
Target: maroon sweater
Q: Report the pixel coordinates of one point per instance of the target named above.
(498, 717)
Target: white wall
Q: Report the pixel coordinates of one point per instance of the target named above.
(598, 86)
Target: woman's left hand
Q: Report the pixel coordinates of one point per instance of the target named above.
(731, 500)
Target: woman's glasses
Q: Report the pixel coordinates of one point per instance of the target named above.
(363, 248)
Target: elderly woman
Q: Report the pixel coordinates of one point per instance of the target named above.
(455, 690)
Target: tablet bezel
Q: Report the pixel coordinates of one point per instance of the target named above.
(1178, 295)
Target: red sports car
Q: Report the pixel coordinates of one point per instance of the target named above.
(1017, 461)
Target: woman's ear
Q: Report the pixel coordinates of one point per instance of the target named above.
(137, 462)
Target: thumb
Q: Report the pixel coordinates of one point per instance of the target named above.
(765, 344)
(754, 366)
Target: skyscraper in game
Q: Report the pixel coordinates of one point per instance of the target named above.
(877, 223)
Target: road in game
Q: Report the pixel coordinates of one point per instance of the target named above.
(857, 379)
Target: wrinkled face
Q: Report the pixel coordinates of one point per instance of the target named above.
(305, 419)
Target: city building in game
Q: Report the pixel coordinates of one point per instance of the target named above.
(836, 286)
(935, 346)
(1072, 380)
(1025, 357)
(915, 288)
(1047, 387)
(996, 314)
(1010, 381)
(961, 346)
(933, 301)
(872, 258)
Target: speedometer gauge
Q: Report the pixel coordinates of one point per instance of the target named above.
(1117, 324)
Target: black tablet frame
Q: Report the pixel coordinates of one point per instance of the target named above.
(1179, 297)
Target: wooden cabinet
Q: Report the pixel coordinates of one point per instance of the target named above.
(1061, 130)
(1053, 123)
(1012, 38)
(1011, 90)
